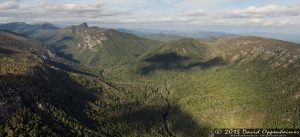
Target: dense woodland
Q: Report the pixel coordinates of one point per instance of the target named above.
(124, 85)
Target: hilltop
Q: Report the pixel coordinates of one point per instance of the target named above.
(92, 46)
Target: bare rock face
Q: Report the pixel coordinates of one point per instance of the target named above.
(278, 57)
(276, 53)
(91, 38)
(93, 42)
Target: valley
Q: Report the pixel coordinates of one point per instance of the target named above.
(90, 81)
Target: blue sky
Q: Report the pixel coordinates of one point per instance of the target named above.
(217, 15)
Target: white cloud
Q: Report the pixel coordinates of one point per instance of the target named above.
(263, 15)
(198, 12)
(88, 10)
(9, 4)
(138, 12)
(268, 11)
(286, 22)
(45, 11)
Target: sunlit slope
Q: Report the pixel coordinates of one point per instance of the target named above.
(228, 82)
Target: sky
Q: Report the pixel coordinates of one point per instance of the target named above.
(278, 16)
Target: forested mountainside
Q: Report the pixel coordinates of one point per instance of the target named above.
(24, 44)
(184, 87)
(39, 99)
(227, 82)
(92, 46)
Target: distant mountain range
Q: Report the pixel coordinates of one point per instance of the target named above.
(282, 36)
(163, 35)
(160, 35)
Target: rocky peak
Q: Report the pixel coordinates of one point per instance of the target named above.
(83, 25)
(48, 26)
(80, 28)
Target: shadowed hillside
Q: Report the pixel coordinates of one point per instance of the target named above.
(41, 97)
(172, 61)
